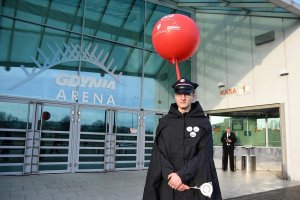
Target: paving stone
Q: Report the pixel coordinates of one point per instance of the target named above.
(129, 185)
(291, 193)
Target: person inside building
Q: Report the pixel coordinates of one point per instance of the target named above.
(228, 139)
(182, 165)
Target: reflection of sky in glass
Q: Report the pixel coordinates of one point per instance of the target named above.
(57, 113)
(19, 110)
(89, 117)
(217, 119)
(274, 123)
(260, 123)
(127, 92)
(151, 122)
(124, 119)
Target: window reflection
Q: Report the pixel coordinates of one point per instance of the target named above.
(110, 21)
(57, 120)
(126, 122)
(58, 13)
(259, 131)
(13, 115)
(151, 122)
(274, 132)
(91, 144)
(93, 121)
(219, 124)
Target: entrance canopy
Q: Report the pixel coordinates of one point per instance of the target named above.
(264, 8)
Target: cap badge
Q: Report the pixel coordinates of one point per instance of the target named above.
(182, 80)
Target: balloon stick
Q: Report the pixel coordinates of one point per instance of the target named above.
(177, 69)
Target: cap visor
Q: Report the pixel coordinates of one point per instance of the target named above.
(183, 91)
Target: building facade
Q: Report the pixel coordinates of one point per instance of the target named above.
(248, 69)
(82, 88)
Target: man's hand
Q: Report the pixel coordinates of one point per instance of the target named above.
(174, 181)
(183, 187)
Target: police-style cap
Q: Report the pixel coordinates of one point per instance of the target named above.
(184, 86)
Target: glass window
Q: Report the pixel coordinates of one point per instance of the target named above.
(109, 72)
(92, 121)
(6, 34)
(219, 125)
(274, 135)
(244, 135)
(90, 51)
(34, 68)
(249, 127)
(56, 118)
(258, 127)
(61, 14)
(126, 123)
(116, 20)
(13, 115)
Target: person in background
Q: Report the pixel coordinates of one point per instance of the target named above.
(182, 154)
(228, 139)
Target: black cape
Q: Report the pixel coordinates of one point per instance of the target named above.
(183, 144)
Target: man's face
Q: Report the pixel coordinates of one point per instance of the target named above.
(184, 101)
(228, 130)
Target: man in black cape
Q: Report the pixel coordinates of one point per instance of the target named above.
(182, 155)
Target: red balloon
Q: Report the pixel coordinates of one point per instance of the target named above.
(175, 36)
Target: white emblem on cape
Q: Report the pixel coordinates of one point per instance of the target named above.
(193, 134)
(196, 129)
(193, 131)
(189, 128)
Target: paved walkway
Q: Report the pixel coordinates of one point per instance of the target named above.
(290, 193)
(126, 185)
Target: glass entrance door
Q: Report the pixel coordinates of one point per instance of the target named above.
(34, 137)
(48, 140)
(126, 131)
(91, 140)
(44, 137)
(110, 140)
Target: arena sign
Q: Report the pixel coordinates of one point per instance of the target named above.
(74, 81)
(96, 88)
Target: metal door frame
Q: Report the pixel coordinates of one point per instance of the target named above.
(38, 139)
(114, 141)
(110, 138)
(77, 130)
